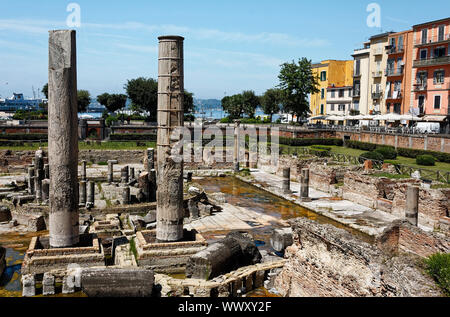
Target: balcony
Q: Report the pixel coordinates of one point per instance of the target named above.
(432, 61)
(394, 50)
(394, 72)
(377, 95)
(420, 86)
(433, 40)
(378, 51)
(397, 94)
(377, 74)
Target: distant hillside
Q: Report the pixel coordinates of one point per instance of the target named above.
(207, 103)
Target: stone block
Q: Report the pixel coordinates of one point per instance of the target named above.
(109, 282)
(281, 239)
(5, 214)
(28, 285)
(68, 286)
(48, 284)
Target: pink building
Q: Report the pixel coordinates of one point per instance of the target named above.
(431, 70)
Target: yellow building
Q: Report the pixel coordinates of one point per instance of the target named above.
(329, 73)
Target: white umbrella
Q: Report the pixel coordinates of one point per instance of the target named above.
(317, 118)
(335, 118)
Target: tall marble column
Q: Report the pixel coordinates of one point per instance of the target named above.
(170, 211)
(63, 139)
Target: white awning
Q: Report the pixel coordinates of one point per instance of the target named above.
(317, 118)
(434, 118)
(335, 118)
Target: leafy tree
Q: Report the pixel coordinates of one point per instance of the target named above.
(188, 103)
(296, 83)
(249, 103)
(143, 93)
(45, 90)
(270, 102)
(116, 102)
(103, 99)
(84, 99)
(233, 106)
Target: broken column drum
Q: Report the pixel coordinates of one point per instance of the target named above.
(236, 148)
(83, 192)
(111, 171)
(126, 195)
(304, 186)
(45, 189)
(124, 175)
(286, 182)
(90, 194)
(63, 139)
(83, 170)
(150, 159)
(170, 211)
(412, 205)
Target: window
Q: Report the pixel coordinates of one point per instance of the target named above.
(439, 52)
(341, 107)
(421, 104)
(437, 102)
(441, 33)
(341, 93)
(332, 107)
(322, 94)
(423, 54)
(397, 108)
(439, 76)
(357, 67)
(350, 92)
(424, 36)
(323, 76)
(333, 94)
(388, 107)
(321, 109)
(400, 43)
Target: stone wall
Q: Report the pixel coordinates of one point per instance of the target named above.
(328, 262)
(324, 177)
(403, 237)
(123, 157)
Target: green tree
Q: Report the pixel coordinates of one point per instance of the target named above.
(296, 83)
(45, 90)
(143, 93)
(249, 103)
(233, 106)
(116, 102)
(188, 103)
(84, 99)
(270, 102)
(103, 99)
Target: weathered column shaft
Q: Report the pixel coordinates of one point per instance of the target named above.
(153, 186)
(63, 139)
(38, 178)
(46, 171)
(132, 173)
(304, 184)
(170, 211)
(45, 189)
(110, 172)
(124, 175)
(144, 185)
(236, 148)
(31, 180)
(286, 182)
(83, 192)
(83, 170)
(412, 205)
(91, 193)
(150, 158)
(126, 195)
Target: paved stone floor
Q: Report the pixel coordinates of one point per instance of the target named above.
(356, 216)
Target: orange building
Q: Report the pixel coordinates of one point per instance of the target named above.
(399, 72)
(431, 68)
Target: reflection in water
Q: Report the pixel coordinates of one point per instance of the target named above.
(241, 194)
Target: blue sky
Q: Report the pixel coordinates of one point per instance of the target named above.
(230, 45)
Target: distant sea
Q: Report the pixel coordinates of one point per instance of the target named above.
(208, 114)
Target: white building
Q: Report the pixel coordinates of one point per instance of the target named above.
(339, 100)
(361, 76)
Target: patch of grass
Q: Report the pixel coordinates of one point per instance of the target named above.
(438, 267)
(244, 172)
(133, 249)
(391, 176)
(102, 163)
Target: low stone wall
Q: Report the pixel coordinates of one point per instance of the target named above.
(123, 157)
(10, 159)
(285, 161)
(228, 285)
(403, 237)
(324, 177)
(328, 262)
